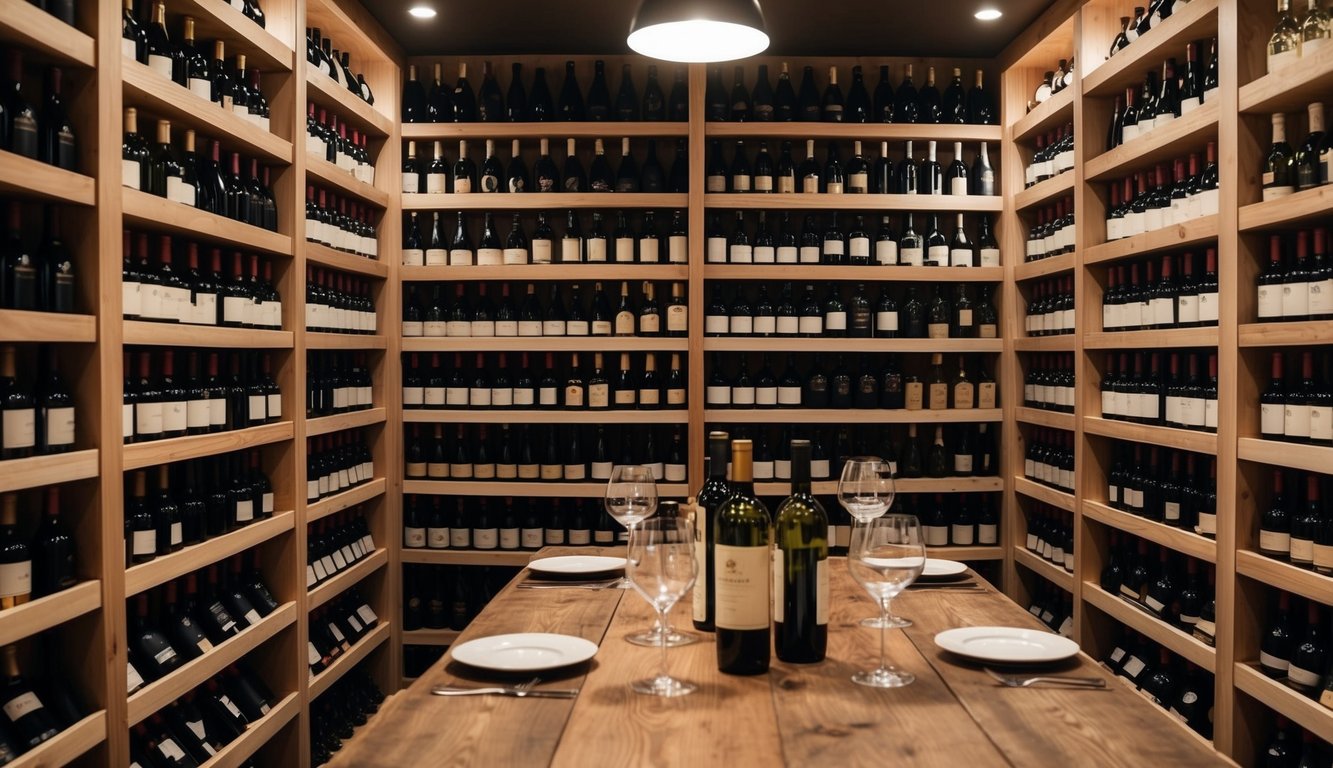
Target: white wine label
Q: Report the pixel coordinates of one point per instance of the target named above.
(1269, 661)
(678, 249)
(742, 587)
(717, 250)
(1274, 542)
(16, 579)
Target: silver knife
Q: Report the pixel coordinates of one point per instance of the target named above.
(565, 693)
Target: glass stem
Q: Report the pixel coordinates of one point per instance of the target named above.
(662, 620)
(883, 629)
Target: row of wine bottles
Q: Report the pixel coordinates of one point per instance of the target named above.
(327, 137)
(199, 505)
(1048, 458)
(1286, 172)
(1298, 407)
(1054, 155)
(1165, 485)
(1161, 200)
(1178, 92)
(450, 596)
(200, 399)
(1154, 581)
(1296, 648)
(1151, 394)
(35, 561)
(1050, 535)
(1053, 232)
(1297, 524)
(465, 317)
(1048, 382)
(1054, 607)
(36, 273)
(1293, 39)
(43, 133)
(1296, 286)
(321, 54)
(432, 522)
(337, 382)
(201, 293)
(338, 626)
(334, 718)
(1162, 300)
(957, 520)
(335, 463)
(340, 223)
(334, 544)
(830, 245)
(1050, 312)
(1181, 687)
(200, 724)
(39, 414)
(336, 302)
(426, 241)
(34, 712)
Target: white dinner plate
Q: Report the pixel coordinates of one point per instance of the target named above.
(943, 569)
(570, 564)
(1006, 645)
(524, 652)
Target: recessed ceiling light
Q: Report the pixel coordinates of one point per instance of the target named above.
(988, 14)
(422, 11)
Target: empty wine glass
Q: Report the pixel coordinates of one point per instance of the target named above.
(660, 564)
(886, 555)
(866, 489)
(631, 498)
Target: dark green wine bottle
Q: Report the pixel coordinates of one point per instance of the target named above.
(714, 491)
(742, 533)
(801, 584)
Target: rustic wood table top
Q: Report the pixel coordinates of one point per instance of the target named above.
(796, 715)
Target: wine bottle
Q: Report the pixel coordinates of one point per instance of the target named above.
(742, 532)
(800, 567)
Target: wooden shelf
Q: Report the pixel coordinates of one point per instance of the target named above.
(548, 489)
(1183, 439)
(1192, 232)
(1291, 89)
(1044, 493)
(1311, 458)
(257, 734)
(1063, 342)
(325, 256)
(321, 682)
(143, 332)
(524, 416)
(164, 568)
(966, 554)
(605, 272)
(848, 202)
(1295, 211)
(1045, 418)
(140, 455)
(329, 174)
(195, 672)
(1169, 338)
(587, 344)
(349, 578)
(345, 500)
(819, 273)
(430, 636)
(850, 415)
(40, 327)
(1297, 334)
(1045, 569)
(37, 471)
(541, 201)
(1052, 113)
(1175, 139)
(502, 557)
(1194, 21)
(894, 132)
(315, 340)
(798, 344)
(217, 19)
(901, 485)
(25, 25)
(1043, 192)
(1175, 538)
(36, 616)
(321, 89)
(162, 97)
(553, 131)
(1285, 576)
(1159, 631)
(24, 177)
(1051, 265)
(322, 425)
(68, 745)
(1277, 696)
(146, 211)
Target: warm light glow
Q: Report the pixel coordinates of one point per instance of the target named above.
(698, 40)
(422, 11)
(988, 14)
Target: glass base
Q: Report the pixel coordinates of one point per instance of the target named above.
(624, 583)
(653, 638)
(892, 622)
(662, 685)
(884, 677)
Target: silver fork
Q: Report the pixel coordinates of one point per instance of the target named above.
(450, 690)
(1011, 681)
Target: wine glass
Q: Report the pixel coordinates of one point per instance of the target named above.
(887, 554)
(660, 564)
(866, 490)
(631, 498)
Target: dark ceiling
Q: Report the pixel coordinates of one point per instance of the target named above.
(796, 27)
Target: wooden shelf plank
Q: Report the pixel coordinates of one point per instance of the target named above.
(1285, 576)
(541, 201)
(37, 471)
(1295, 211)
(140, 455)
(40, 327)
(1184, 439)
(1161, 632)
(902, 485)
(549, 489)
(1045, 418)
(164, 98)
(1290, 89)
(1176, 138)
(1170, 338)
(1044, 493)
(25, 25)
(159, 214)
(855, 415)
(328, 173)
(349, 578)
(321, 682)
(24, 177)
(554, 131)
(752, 344)
(1063, 342)
(482, 416)
(857, 274)
(1045, 569)
(1290, 703)
(322, 425)
(1175, 538)
(1311, 458)
(345, 500)
(257, 734)
(1052, 113)
(315, 340)
(544, 344)
(36, 616)
(1052, 265)
(1043, 192)
(536, 272)
(68, 745)
(164, 568)
(1194, 21)
(347, 262)
(1192, 232)
(163, 691)
(499, 557)
(142, 332)
(217, 19)
(323, 91)
(430, 636)
(853, 131)
(1296, 334)
(847, 202)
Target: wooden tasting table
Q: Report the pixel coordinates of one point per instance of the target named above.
(796, 715)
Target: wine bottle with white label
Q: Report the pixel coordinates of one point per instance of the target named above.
(800, 568)
(742, 533)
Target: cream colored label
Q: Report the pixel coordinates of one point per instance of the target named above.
(742, 587)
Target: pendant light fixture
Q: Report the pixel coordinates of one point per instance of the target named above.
(698, 30)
